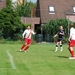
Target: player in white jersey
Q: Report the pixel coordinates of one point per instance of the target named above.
(71, 40)
(27, 38)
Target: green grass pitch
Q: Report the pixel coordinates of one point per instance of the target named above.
(40, 59)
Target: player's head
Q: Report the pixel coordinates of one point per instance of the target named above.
(28, 27)
(61, 27)
(71, 25)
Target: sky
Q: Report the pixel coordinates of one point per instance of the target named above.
(32, 0)
(28, 0)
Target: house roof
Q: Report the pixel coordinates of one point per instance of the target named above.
(61, 9)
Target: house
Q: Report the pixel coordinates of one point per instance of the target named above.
(34, 21)
(2, 3)
(55, 9)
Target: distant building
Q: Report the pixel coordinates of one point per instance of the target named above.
(55, 9)
(2, 3)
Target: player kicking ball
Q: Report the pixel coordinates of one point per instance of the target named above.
(60, 35)
(27, 38)
(71, 40)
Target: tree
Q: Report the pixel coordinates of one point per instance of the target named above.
(9, 22)
(26, 9)
(8, 3)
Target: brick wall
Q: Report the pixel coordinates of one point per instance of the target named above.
(32, 21)
(61, 9)
(2, 3)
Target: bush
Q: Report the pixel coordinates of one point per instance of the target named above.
(1, 35)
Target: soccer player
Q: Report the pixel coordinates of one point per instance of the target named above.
(27, 38)
(60, 35)
(71, 40)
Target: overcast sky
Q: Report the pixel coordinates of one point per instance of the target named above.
(32, 0)
(27, 0)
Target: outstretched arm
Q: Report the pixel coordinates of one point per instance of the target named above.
(55, 35)
(33, 32)
(23, 35)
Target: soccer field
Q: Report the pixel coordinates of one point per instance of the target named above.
(40, 59)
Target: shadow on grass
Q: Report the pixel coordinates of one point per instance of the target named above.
(20, 51)
(62, 56)
(52, 50)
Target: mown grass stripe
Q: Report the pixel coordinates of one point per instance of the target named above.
(11, 60)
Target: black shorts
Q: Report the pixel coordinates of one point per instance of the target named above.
(59, 39)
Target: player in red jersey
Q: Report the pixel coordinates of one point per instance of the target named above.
(71, 40)
(27, 38)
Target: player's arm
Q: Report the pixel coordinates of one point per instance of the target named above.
(23, 35)
(69, 39)
(55, 35)
(33, 32)
(62, 33)
(70, 35)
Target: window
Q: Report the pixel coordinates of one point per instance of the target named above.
(51, 10)
(74, 9)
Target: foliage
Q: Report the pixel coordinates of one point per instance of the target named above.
(8, 3)
(26, 9)
(1, 34)
(10, 25)
(52, 26)
(9, 22)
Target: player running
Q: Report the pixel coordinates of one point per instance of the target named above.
(71, 40)
(27, 38)
(60, 35)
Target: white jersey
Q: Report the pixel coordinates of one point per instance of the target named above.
(72, 33)
(27, 32)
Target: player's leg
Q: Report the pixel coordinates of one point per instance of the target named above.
(28, 45)
(25, 43)
(61, 48)
(56, 46)
(71, 49)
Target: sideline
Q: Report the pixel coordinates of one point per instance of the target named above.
(11, 60)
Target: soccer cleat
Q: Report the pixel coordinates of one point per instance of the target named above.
(25, 51)
(20, 50)
(55, 50)
(61, 50)
(71, 57)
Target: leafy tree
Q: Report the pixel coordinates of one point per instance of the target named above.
(26, 9)
(8, 3)
(9, 22)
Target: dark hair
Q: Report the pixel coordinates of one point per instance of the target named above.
(71, 25)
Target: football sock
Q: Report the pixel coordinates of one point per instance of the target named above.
(26, 48)
(56, 47)
(72, 53)
(69, 50)
(22, 46)
(61, 47)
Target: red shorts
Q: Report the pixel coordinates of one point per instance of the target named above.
(27, 40)
(72, 43)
